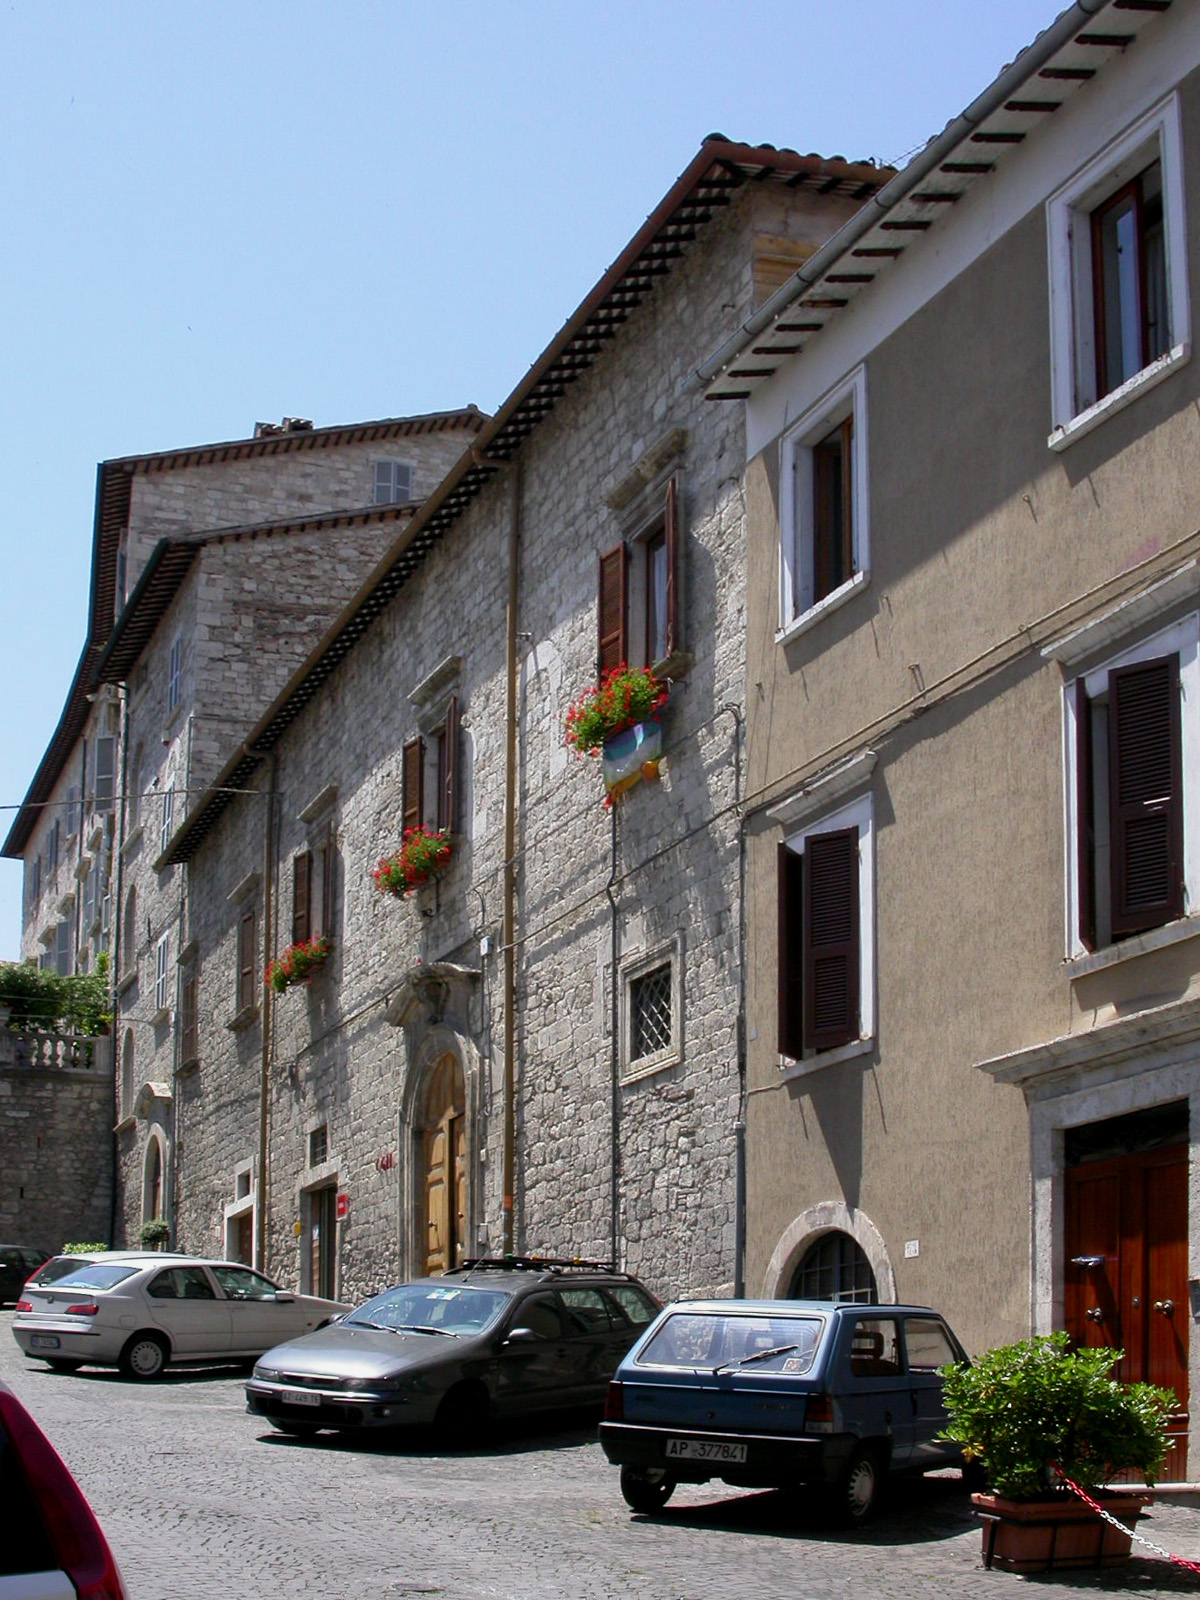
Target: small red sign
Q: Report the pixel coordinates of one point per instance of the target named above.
(343, 1205)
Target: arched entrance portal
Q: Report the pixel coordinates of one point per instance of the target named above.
(444, 1166)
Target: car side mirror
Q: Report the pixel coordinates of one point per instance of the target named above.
(521, 1336)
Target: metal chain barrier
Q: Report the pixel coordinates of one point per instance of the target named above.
(1192, 1566)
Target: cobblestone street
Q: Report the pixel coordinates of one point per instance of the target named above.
(199, 1499)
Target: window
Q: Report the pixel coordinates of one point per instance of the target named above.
(1118, 274)
(312, 892)
(72, 810)
(174, 674)
(823, 511)
(62, 949)
(52, 846)
(136, 781)
(102, 772)
(429, 776)
(127, 1071)
(167, 816)
(834, 1268)
(318, 1145)
(34, 869)
(826, 934)
(393, 482)
(1129, 730)
(129, 932)
(189, 1013)
(161, 951)
(652, 1002)
(638, 611)
(247, 992)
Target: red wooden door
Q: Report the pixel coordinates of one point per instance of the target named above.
(1126, 1272)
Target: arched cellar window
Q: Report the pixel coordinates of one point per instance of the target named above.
(834, 1268)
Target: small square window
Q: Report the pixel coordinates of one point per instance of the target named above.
(650, 1013)
(393, 482)
(651, 1007)
(823, 510)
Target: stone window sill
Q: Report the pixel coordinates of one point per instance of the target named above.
(1141, 944)
(789, 1068)
(244, 1018)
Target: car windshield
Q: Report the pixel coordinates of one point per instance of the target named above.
(452, 1309)
(760, 1343)
(56, 1269)
(96, 1276)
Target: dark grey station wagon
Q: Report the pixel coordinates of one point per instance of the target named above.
(771, 1393)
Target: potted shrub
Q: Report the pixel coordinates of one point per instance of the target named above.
(299, 963)
(618, 719)
(156, 1233)
(1032, 1415)
(424, 852)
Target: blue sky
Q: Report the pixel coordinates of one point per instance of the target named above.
(219, 213)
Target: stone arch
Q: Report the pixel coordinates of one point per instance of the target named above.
(440, 1095)
(828, 1217)
(154, 1177)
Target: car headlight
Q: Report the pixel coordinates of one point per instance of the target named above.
(393, 1383)
(268, 1374)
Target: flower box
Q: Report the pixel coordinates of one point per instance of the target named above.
(299, 963)
(630, 756)
(424, 853)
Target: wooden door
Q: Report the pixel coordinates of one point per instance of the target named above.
(1126, 1272)
(322, 1242)
(444, 1164)
(243, 1250)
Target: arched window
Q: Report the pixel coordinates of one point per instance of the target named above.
(834, 1268)
(127, 1073)
(129, 932)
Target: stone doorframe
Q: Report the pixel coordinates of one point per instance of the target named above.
(831, 1216)
(432, 1007)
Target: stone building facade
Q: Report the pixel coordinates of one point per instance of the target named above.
(539, 1049)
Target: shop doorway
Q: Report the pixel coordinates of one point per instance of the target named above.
(1126, 1238)
(444, 1167)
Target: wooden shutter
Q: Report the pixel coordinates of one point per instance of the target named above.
(190, 1018)
(245, 993)
(325, 927)
(1145, 795)
(448, 770)
(671, 538)
(614, 585)
(302, 874)
(791, 952)
(831, 955)
(1085, 820)
(412, 783)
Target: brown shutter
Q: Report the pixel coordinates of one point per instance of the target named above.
(847, 498)
(1145, 795)
(246, 995)
(448, 793)
(1085, 820)
(327, 858)
(412, 782)
(831, 956)
(302, 873)
(614, 585)
(190, 1008)
(791, 952)
(671, 539)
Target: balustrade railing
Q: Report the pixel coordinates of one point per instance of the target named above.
(48, 1051)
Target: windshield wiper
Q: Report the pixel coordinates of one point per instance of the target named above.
(759, 1355)
(361, 1322)
(420, 1327)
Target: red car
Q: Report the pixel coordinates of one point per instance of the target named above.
(54, 1548)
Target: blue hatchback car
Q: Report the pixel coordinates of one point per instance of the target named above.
(773, 1393)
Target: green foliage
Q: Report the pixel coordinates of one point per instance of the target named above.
(1027, 1409)
(624, 696)
(46, 1001)
(155, 1232)
(84, 1249)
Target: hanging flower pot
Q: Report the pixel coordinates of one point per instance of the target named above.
(618, 721)
(299, 963)
(631, 756)
(424, 852)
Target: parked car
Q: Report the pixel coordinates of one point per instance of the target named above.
(55, 1267)
(771, 1393)
(17, 1261)
(489, 1339)
(139, 1313)
(53, 1545)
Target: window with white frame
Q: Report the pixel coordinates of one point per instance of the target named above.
(651, 1010)
(103, 753)
(1119, 317)
(393, 482)
(827, 933)
(167, 814)
(824, 542)
(161, 992)
(1132, 736)
(174, 674)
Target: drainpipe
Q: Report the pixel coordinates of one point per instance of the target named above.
(177, 1035)
(115, 956)
(614, 998)
(739, 1127)
(510, 863)
(264, 1081)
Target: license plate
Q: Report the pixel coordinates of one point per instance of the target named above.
(43, 1341)
(705, 1450)
(301, 1397)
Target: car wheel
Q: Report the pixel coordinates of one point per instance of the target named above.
(298, 1430)
(463, 1415)
(144, 1357)
(646, 1489)
(61, 1364)
(857, 1495)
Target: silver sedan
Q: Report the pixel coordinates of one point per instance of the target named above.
(139, 1315)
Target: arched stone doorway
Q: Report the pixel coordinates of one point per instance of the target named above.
(443, 1158)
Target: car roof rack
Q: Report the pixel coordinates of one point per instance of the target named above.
(551, 1266)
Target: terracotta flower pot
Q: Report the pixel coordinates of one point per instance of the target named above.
(1036, 1535)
